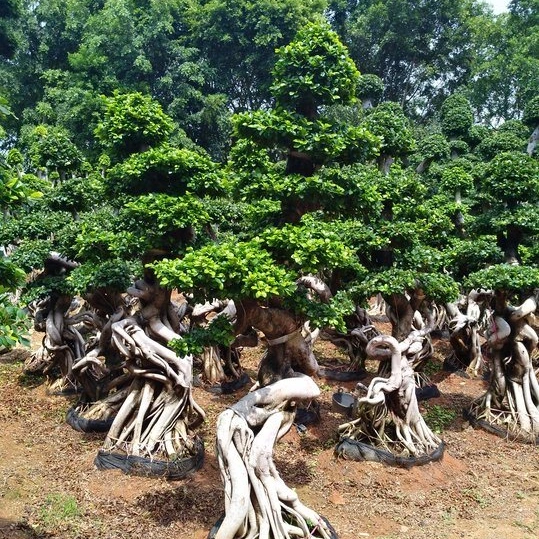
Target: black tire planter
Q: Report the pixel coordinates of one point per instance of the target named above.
(142, 466)
(475, 422)
(349, 449)
(228, 388)
(81, 424)
(427, 392)
(217, 525)
(341, 376)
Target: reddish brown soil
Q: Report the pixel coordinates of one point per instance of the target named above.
(484, 488)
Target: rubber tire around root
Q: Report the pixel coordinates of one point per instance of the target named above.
(359, 451)
(133, 465)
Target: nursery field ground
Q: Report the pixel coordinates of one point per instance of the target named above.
(485, 487)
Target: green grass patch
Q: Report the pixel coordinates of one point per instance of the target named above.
(58, 510)
(439, 417)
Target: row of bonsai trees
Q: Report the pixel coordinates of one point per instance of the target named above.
(327, 199)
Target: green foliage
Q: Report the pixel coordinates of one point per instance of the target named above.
(421, 50)
(10, 13)
(76, 194)
(239, 39)
(505, 277)
(511, 178)
(31, 254)
(439, 417)
(476, 134)
(313, 70)
(231, 269)
(46, 287)
(421, 258)
(101, 238)
(516, 127)
(162, 221)
(455, 177)
(456, 116)
(402, 188)
(310, 247)
(437, 287)
(530, 253)
(387, 283)
(57, 510)
(525, 216)
(433, 146)
(458, 147)
(39, 223)
(51, 147)
(321, 140)
(369, 86)
(16, 190)
(470, 255)
(388, 122)
(257, 216)
(131, 123)
(320, 314)
(165, 170)
(338, 190)
(531, 112)
(110, 274)
(11, 275)
(218, 332)
(14, 324)
(498, 142)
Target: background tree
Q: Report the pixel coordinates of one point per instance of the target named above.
(10, 11)
(505, 70)
(421, 54)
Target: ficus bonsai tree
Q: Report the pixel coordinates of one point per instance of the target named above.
(158, 192)
(304, 175)
(510, 407)
(456, 117)
(388, 121)
(433, 147)
(315, 177)
(369, 90)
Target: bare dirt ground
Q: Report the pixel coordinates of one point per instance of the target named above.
(484, 488)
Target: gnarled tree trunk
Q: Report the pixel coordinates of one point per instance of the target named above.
(257, 501)
(155, 426)
(387, 424)
(510, 407)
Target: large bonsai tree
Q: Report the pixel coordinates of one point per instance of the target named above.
(303, 176)
(157, 188)
(510, 407)
(149, 204)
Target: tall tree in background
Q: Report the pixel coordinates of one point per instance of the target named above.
(421, 50)
(73, 51)
(505, 74)
(10, 11)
